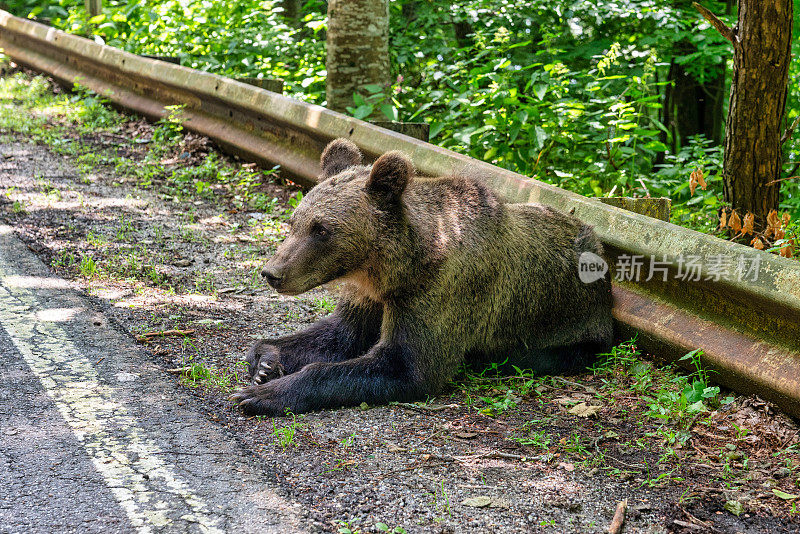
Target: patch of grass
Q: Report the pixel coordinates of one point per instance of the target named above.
(64, 259)
(169, 129)
(497, 391)
(540, 439)
(204, 283)
(325, 304)
(383, 527)
(440, 502)
(346, 528)
(200, 374)
(285, 434)
(88, 268)
(125, 229)
(689, 395)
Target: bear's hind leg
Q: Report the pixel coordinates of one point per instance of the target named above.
(350, 331)
(567, 359)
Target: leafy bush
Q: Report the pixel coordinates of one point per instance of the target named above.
(566, 91)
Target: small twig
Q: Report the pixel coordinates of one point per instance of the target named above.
(645, 187)
(720, 26)
(179, 370)
(619, 518)
(610, 157)
(590, 389)
(100, 360)
(695, 521)
(148, 336)
(431, 437)
(422, 408)
(790, 130)
(493, 454)
(686, 524)
(788, 440)
(640, 467)
(781, 180)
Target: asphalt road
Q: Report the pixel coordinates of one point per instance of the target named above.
(95, 438)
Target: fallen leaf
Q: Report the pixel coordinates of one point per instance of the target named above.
(749, 222)
(773, 224)
(584, 410)
(786, 219)
(477, 502)
(723, 219)
(500, 503)
(757, 243)
(734, 222)
(783, 495)
(566, 466)
(466, 435)
(734, 507)
(695, 179)
(564, 401)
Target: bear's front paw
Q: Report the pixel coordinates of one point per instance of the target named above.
(260, 399)
(263, 363)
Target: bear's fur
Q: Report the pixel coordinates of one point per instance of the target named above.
(432, 271)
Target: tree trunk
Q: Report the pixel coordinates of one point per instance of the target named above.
(692, 108)
(761, 47)
(291, 12)
(358, 49)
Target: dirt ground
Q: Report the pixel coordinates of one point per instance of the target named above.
(162, 253)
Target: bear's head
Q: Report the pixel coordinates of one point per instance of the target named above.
(337, 225)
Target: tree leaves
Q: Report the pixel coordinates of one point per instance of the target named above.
(773, 238)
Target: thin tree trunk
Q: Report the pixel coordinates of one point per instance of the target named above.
(291, 12)
(692, 108)
(358, 49)
(759, 87)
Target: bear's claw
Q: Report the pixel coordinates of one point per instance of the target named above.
(259, 399)
(268, 370)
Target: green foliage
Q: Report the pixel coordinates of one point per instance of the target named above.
(285, 434)
(169, 129)
(566, 91)
(199, 374)
(690, 395)
(698, 211)
(383, 527)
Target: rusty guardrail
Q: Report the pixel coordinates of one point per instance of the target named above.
(746, 319)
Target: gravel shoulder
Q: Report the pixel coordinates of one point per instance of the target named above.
(175, 264)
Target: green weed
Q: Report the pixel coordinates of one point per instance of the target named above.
(325, 304)
(88, 267)
(285, 434)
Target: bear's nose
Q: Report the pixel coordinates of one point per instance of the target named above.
(272, 277)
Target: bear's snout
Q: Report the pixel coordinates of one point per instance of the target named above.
(273, 278)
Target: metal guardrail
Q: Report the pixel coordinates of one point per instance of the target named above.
(749, 329)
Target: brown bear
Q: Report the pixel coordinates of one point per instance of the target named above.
(431, 271)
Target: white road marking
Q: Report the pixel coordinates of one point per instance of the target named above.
(131, 463)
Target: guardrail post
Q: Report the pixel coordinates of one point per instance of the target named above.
(270, 84)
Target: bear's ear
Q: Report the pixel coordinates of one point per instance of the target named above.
(339, 155)
(390, 176)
